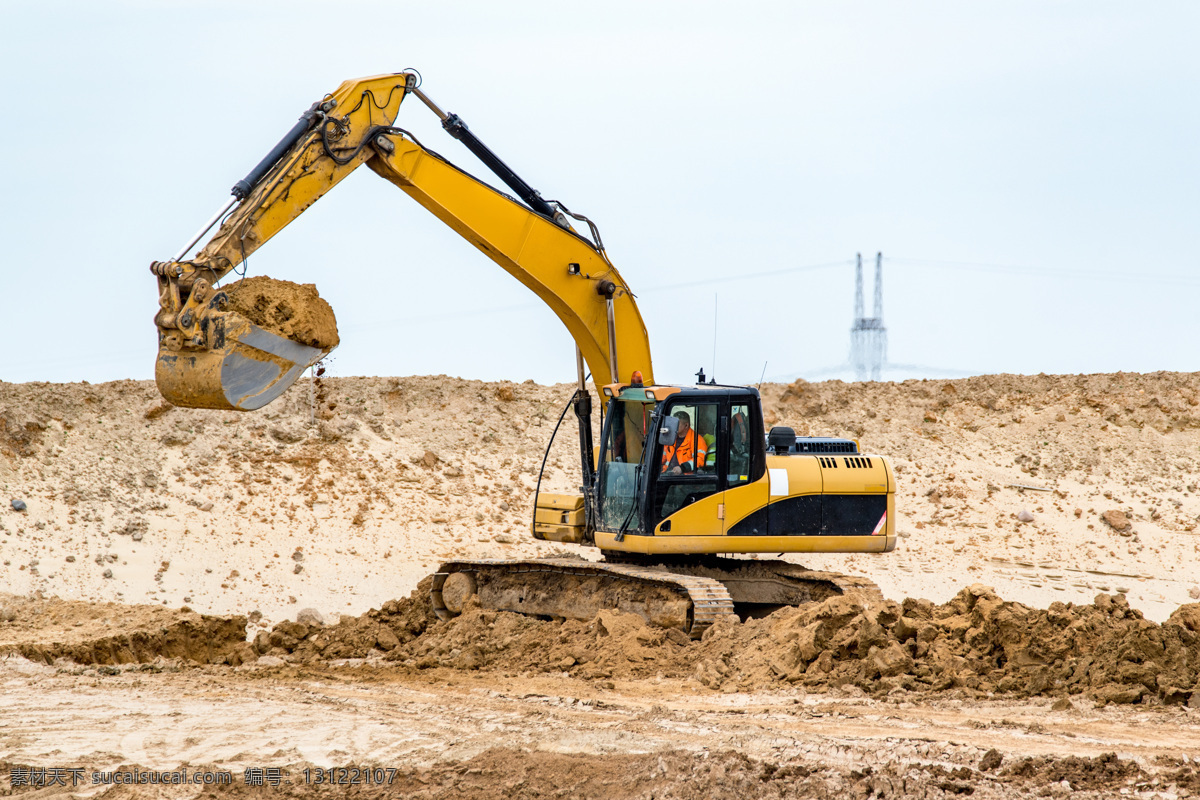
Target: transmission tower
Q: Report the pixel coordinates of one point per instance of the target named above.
(868, 337)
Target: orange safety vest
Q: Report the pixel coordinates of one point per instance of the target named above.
(692, 448)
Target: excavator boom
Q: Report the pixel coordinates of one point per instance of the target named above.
(212, 357)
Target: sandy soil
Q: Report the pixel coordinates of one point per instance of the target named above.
(48, 629)
(293, 310)
(343, 495)
(340, 496)
(366, 483)
(449, 734)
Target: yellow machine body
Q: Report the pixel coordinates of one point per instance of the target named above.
(748, 501)
(708, 525)
(784, 494)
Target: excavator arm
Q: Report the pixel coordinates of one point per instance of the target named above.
(212, 357)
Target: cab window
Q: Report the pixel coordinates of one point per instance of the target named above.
(628, 428)
(739, 446)
(688, 469)
(625, 441)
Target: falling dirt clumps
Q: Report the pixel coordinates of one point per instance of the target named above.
(292, 310)
(45, 629)
(977, 643)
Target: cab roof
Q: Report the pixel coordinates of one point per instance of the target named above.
(657, 392)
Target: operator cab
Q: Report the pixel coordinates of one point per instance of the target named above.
(666, 447)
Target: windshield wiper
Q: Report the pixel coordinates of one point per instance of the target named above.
(637, 474)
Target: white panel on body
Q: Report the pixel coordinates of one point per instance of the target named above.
(779, 482)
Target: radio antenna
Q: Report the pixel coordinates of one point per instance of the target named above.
(714, 358)
(760, 377)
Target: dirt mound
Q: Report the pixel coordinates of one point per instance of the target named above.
(434, 468)
(1103, 772)
(502, 773)
(44, 629)
(613, 645)
(1164, 401)
(292, 310)
(977, 643)
(397, 623)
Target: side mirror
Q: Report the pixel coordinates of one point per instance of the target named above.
(669, 431)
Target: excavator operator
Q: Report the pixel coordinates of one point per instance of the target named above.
(689, 449)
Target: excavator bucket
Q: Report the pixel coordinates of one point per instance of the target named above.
(249, 367)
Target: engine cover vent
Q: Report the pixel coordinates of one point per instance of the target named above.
(815, 445)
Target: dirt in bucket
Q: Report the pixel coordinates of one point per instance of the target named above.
(292, 310)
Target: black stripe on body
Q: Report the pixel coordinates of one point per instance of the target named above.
(815, 515)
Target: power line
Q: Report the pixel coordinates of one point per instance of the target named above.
(968, 266)
(459, 313)
(746, 276)
(1054, 272)
(107, 358)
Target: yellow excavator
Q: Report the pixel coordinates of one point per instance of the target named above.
(684, 473)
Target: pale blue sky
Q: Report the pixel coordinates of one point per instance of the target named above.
(1029, 170)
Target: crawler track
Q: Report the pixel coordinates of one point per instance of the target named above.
(687, 595)
(763, 586)
(577, 589)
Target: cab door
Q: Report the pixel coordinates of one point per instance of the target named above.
(684, 477)
(745, 498)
